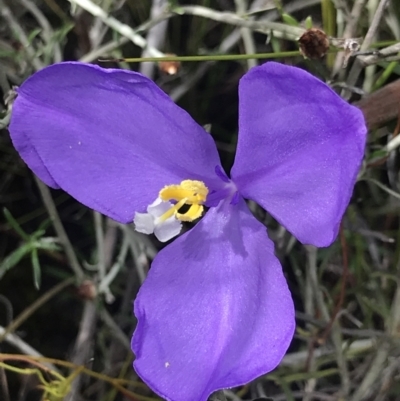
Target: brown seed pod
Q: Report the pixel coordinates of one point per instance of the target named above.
(314, 43)
(169, 67)
(87, 290)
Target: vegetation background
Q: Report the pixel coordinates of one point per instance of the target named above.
(63, 341)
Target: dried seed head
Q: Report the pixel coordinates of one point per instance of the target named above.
(169, 67)
(314, 43)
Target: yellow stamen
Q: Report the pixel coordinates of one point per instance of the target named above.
(188, 192)
(194, 212)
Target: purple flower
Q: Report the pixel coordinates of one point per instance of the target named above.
(215, 310)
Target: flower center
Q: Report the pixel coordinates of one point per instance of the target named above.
(188, 192)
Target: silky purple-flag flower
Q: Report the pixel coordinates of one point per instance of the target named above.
(215, 310)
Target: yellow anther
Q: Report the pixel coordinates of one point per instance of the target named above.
(188, 192)
(194, 212)
(194, 191)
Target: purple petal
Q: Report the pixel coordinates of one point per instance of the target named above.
(110, 138)
(300, 148)
(215, 310)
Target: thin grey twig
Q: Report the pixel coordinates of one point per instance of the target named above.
(98, 228)
(323, 309)
(115, 269)
(356, 348)
(312, 396)
(363, 390)
(103, 50)
(247, 35)
(230, 395)
(4, 85)
(47, 30)
(383, 351)
(383, 54)
(373, 28)
(358, 64)
(101, 263)
(59, 228)
(115, 330)
(32, 308)
(287, 31)
(9, 310)
(218, 396)
(156, 35)
(139, 257)
(191, 80)
(118, 26)
(83, 345)
(388, 378)
(230, 41)
(23, 347)
(114, 44)
(349, 32)
(5, 391)
(16, 29)
(258, 7)
(313, 296)
(44, 190)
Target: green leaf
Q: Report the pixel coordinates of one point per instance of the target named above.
(13, 223)
(12, 260)
(46, 243)
(288, 19)
(308, 23)
(60, 34)
(33, 34)
(37, 273)
(276, 44)
(7, 53)
(279, 6)
(178, 10)
(377, 155)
